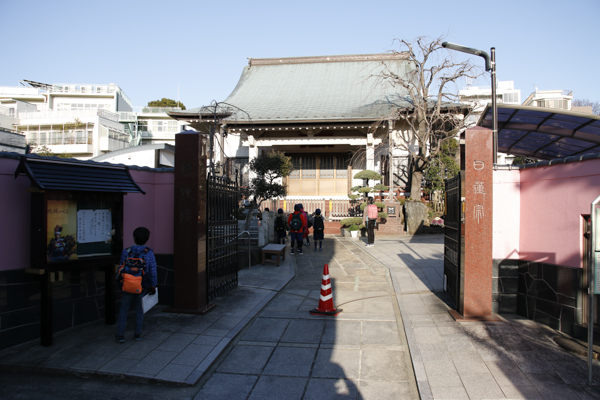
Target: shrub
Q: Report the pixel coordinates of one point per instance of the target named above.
(352, 221)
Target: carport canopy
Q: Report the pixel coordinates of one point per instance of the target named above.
(544, 133)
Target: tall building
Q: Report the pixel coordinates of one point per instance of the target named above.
(560, 99)
(84, 120)
(480, 96)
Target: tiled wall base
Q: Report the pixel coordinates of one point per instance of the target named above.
(77, 299)
(548, 294)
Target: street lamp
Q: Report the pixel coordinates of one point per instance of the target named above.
(490, 64)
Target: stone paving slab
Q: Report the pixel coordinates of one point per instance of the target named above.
(515, 358)
(394, 339)
(363, 349)
(175, 348)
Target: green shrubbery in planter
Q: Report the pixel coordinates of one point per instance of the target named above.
(355, 227)
(352, 223)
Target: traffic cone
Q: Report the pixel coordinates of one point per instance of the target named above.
(326, 306)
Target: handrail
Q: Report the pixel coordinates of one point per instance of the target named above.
(249, 256)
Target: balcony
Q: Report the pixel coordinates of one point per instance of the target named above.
(52, 114)
(158, 110)
(75, 88)
(57, 138)
(20, 91)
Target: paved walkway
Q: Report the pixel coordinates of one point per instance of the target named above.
(175, 348)
(394, 338)
(515, 358)
(287, 353)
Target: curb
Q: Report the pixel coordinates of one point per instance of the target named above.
(577, 346)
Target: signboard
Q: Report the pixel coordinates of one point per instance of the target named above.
(61, 231)
(73, 233)
(391, 211)
(93, 226)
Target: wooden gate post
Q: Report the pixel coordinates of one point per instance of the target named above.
(190, 278)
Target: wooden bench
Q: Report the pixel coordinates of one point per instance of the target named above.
(275, 249)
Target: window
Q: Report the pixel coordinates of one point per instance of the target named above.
(327, 170)
(323, 174)
(510, 97)
(297, 167)
(309, 168)
(164, 126)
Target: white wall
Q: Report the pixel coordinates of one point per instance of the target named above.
(233, 146)
(122, 105)
(141, 158)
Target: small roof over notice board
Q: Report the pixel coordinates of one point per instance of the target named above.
(544, 133)
(52, 173)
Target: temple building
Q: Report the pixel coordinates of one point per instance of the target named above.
(329, 113)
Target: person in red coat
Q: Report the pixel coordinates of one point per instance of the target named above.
(306, 226)
(297, 223)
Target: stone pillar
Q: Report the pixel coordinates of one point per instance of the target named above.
(190, 294)
(475, 299)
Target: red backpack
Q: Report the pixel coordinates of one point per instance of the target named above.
(372, 212)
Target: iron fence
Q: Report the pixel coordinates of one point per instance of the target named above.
(453, 245)
(222, 244)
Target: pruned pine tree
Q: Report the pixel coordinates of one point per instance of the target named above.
(269, 169)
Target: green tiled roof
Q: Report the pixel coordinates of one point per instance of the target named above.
(334, 88)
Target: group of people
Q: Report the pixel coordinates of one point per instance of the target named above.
(138, 261)
(298, 224)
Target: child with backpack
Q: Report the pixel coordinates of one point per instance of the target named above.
(297, 222)
(136, 277)
(319, 229)
(280, 227)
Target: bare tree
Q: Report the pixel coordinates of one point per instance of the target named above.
(586, 102)
(428, 104)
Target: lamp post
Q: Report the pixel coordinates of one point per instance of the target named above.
(490, 65)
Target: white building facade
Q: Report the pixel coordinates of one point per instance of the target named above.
(84, 120)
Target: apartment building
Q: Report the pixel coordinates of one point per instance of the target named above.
(560, 99)
(84, 120)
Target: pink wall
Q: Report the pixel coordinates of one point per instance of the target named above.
(15, 203)
(507, 206)
(552, 202)
(153, 210)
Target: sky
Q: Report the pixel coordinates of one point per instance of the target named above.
(195, 51)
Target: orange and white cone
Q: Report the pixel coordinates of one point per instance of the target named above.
(326, 306)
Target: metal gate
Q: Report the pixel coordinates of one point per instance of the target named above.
(452, 238)
(221, 252)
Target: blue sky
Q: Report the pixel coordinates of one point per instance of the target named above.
(156, 49)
